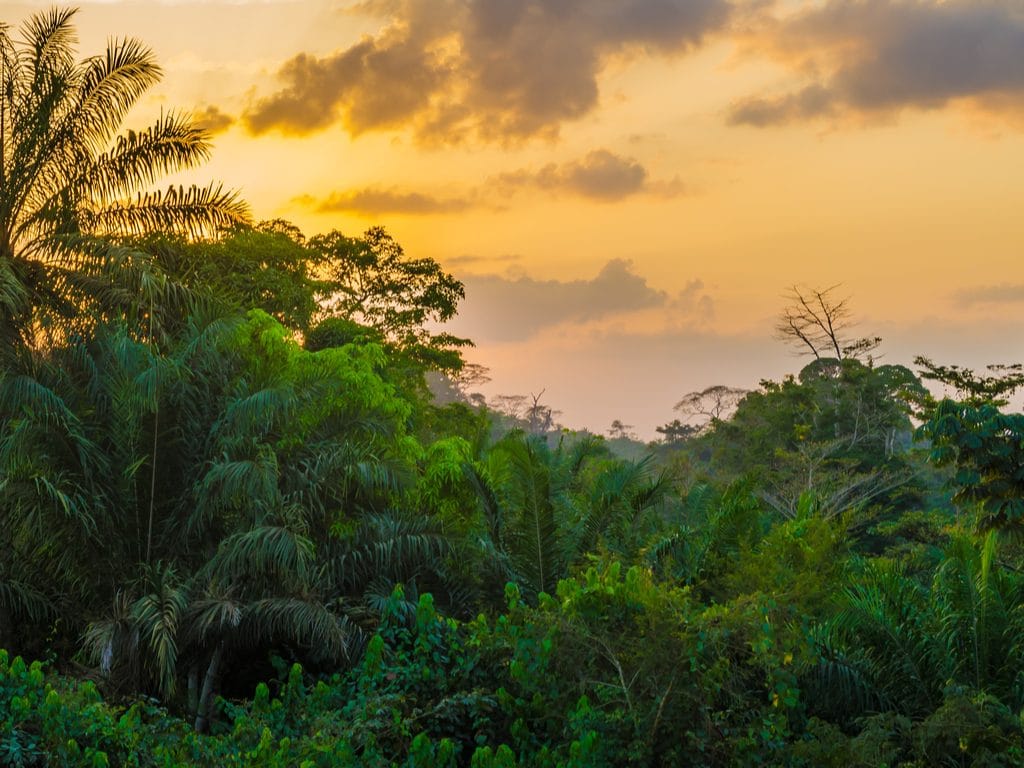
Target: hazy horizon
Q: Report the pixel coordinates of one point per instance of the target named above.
(629, 188)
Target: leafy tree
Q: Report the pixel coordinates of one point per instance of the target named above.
(68, 182)
(266, 267)
(984, 445)
(676, 431)
(371, 281)
(545, 508)
(994, 388)
(706, 539)
(986, 448)
(840, 430)
(619, 431)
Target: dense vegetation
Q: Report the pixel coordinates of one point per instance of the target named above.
(237, 528)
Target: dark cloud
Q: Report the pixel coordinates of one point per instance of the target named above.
(600, 175)
(990, 294)
(500, 70)
(373, 201)
(881, 56)
(504, 308)
(809, 102)
(374, 84)
(211, 119)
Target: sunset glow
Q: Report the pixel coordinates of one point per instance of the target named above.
(629, 187)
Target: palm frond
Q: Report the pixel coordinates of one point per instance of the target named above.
(305, 622)
(20, 598)
(140, 159)
(393, 545)
(191, 211)
(262, 550)
(157, 616)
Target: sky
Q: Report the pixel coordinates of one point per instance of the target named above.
(629, 188)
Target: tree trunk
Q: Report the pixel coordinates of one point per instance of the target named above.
(6, 628)
(193, 691)
(206, 697)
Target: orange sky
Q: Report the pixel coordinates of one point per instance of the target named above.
(628, 187)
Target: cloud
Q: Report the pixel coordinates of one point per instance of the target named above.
(467, 258)
(693, 302)
(600, 175)
(212, 119)
(990, 294)
(373, 201)
(877, 57)
(809, 102)
(374, 84)
(497, 70)
(511, 308)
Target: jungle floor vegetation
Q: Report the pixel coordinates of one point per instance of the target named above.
(251, 512)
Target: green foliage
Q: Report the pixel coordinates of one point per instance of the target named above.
(266, 267)
(986, 449)
(226, 498)
(841, 430)
(897, 644)
(370, 281)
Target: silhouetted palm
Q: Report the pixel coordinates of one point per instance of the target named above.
(69, 183)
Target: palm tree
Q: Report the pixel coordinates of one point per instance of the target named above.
(900, 644)
(70, 186)
(545, 508)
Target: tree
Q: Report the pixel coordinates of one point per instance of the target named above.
(984, 445)
(904, 645)
(68, 183)
(712, 404)
(993, 388)
(620, 431)
(817, 322)
(838, 432)
(263, 267)
(371, 281)
(540, 418)
(546, 508)
(528, 413)
(676, 431)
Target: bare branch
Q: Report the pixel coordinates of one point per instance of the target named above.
(819, 321)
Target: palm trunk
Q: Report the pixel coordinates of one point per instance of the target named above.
(6, 627)
(152, 486)
(193, 691)
(206, 697)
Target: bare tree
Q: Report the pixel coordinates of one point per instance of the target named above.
(818, 322)
(540, 418)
